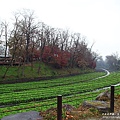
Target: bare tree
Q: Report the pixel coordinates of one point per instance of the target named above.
(28, 28)
(13, 44)
(1, 38)
(63, 41)
(1, 31)
(75, 38)
(5, 25)
(113, 61)
(41, 42)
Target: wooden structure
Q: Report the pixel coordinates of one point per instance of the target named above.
(7, 61)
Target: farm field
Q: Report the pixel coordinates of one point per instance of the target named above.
(39, 96)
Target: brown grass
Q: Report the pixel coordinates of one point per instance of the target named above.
(80, 113)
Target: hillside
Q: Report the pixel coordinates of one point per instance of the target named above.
(33, 71)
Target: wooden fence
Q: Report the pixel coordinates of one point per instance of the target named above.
(59, 103)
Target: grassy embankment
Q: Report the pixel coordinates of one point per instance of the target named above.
(36, 70)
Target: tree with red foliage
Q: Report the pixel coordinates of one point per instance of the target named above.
(54, 56)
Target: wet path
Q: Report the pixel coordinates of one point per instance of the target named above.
(108, 73)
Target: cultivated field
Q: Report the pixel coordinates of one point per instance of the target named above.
(39, 96)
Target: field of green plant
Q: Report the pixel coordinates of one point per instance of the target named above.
(41, 95)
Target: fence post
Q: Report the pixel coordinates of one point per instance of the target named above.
(59, 107)
(112, 99)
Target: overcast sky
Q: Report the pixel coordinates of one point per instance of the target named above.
(98, 20)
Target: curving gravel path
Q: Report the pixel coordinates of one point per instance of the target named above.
(108, 73)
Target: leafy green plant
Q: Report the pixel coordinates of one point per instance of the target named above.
(42, 95)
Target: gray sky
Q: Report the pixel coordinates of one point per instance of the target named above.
(99, 20)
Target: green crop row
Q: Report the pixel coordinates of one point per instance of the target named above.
(46, 104)
(6, 88)
(40, 94)
(74, 100)
(35, 95)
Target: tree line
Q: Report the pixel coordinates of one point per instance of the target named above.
(111, 62)
(30, 40)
